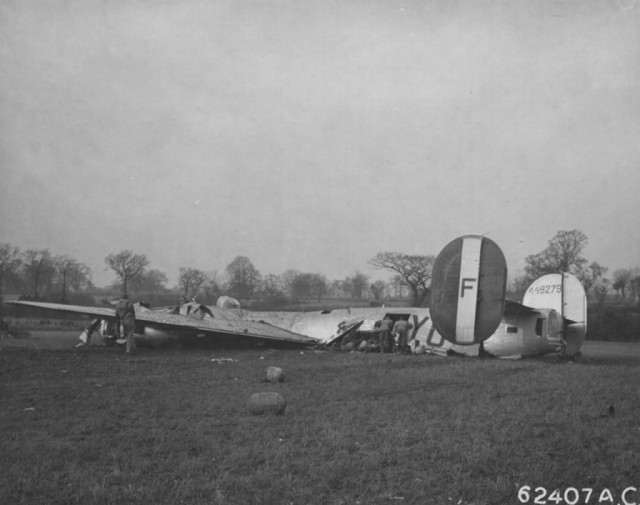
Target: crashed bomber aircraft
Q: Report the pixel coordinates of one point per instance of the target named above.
(469, 314)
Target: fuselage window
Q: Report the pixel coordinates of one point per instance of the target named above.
(539, 323)
(512, 329)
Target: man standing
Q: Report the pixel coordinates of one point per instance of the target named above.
(401, 328)
(385, 333)
(126, 316)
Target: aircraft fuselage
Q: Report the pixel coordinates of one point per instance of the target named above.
(517, 336)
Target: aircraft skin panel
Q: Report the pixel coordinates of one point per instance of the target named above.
(428, 340)
(318, 325)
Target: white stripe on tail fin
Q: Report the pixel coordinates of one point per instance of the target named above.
(468, 290)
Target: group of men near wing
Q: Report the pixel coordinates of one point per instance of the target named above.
(392, 337)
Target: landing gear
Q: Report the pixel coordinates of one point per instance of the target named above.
(564, 357)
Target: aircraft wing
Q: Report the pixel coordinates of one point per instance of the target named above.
(201, 326)
(95, 312)
(216, 326)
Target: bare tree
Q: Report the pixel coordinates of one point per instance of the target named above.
(621, 279)
(38, 268)
(563, 254)
(600, 291)
(10, 260)
(414, 270)
(337, 288)
(243, 278)
(151, 281)
(308, 285)
(211, 287)
(271, 285)
(517, 285)
(288, 279)
(63, 265)
(319, 286)
(190, 280)
(271, 290)
(127, 265)
(397, 285)
(592, 277)
(634, 283)
(377, 289)
(357, 285)
(79, 276)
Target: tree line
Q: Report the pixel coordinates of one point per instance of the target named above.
(38, 274)
(564, 253)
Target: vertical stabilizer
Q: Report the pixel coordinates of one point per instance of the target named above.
(565, 294)
(468, 289)
(561, 292)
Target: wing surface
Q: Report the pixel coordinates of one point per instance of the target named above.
(96, 312)
(216, 324)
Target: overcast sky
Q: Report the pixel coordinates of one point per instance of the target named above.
(312, 135)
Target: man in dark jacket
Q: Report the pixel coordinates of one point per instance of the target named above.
(385, 334)
(126, 316)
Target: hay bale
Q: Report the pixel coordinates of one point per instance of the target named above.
(266, 403)
(274, 374)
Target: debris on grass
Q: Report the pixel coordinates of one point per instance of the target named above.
(223, 360)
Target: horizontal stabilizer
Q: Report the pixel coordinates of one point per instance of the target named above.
(512, 308)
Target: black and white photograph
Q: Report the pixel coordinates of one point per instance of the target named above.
(332, 252)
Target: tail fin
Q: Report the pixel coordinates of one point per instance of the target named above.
(565, 294)
(562, 292)
(468, 289)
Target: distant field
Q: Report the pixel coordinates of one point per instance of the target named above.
(171, 426)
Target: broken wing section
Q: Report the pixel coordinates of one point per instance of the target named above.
(96, 312)
(216, 326)
(201, 322)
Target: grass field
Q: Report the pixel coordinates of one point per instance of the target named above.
(172, 426)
